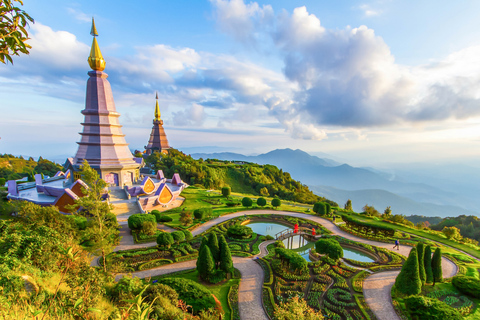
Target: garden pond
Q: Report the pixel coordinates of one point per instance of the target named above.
(272, 228)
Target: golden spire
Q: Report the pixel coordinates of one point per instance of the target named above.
(95, 60)
(157, 109)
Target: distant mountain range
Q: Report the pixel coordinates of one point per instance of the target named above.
(340, 182)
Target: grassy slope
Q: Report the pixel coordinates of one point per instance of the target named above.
(421, 233)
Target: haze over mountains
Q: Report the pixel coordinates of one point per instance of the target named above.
(409, 189)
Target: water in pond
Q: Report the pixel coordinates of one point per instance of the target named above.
(272, 228)
(267, 228)
(356, 255)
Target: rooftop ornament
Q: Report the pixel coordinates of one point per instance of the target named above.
(95, 60)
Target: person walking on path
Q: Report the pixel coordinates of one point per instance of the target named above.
(397, 244)
(334, 218)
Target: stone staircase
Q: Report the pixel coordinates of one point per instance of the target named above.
(117, 194)
(124, 209)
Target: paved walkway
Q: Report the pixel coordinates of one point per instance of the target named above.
(377, 292)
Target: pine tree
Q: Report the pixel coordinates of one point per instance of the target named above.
(205, 264)
(226, 262)
(427, 260)
(408, 281)
(437, 266)
(204, 243)
(421, 266)
(214, 248)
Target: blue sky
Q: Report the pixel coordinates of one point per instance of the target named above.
(372, 82)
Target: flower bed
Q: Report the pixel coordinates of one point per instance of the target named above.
(357, 280)
(154, 264)
(233, 302)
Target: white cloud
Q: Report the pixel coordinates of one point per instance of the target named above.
(79, 15)
(368, 11)
(192, 116)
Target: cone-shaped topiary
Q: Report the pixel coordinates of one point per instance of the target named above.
(437, 266)
(427, 262)
(205, 264)
(203, 243)
(226, 262)
(421, 266)
(214, 248)
(408, 281)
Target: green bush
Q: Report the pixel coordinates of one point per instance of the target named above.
(232, 204)
(408, 280)
(247, 202)
(202, 213)
(261, 202)
(157, 214)
(239, 232)
(165, 240)
(149, 228)
(135, 221)
(423, 308)
(367, 227)
(178, 236)
(276, 202)
(294, 261)
(192, 293)
(164, 218)
(188, 235)
(226, 191)
(467, 285)
(319, 208)
(330, 247)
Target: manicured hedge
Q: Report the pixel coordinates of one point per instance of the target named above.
(135, 221)
(202, 213)
(164, 219)
(366, 227)
(154, 263)
(467, 285)
(239, 232)
(330, 247)
(192, 293)
(295, 261)
(424, 308)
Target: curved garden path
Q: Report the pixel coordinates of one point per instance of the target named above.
(377, 287)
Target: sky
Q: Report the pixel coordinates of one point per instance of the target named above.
(368, 82)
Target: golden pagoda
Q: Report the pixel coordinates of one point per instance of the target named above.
(158, 139)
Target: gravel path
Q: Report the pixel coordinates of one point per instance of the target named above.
(376, 287)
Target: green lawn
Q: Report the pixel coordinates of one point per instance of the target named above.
(219, 290)
(421, 233)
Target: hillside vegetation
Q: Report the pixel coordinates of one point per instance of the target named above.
(13, 168)
(250, 178)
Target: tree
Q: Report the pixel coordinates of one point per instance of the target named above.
(371, 211)
(437, 266)
(298, 309)
(408, 280)
(319, 208)
(149, 228)
(452, 233)
(427, 261)
(388, 211)
(165, 240)
(226, 191)
(103, 225)
(348, 205)
(13, 35)
(261, 202)
(214, 247)
(136, 221)
(247, 202)
(276, 203)
(186, 218)
(178, 236)
(421, 265)
(264, 192)
(205, 264)
(226, 262)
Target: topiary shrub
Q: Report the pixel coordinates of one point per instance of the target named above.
(330, 247)
(149, 228)
(165, 219)
(202, 213)
(135, 221)
(408, 280)
(247, 202)
(232, 204)
(188, 235)
(467, 285)
(423, 308)
(165, 240)
(276, 202)
(239, 232)
(261, 202)
(192, 293)
(157, 214)
(178, 236)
